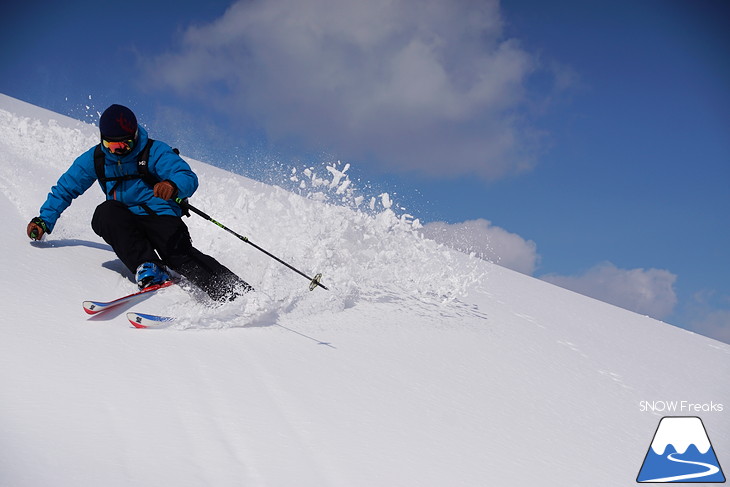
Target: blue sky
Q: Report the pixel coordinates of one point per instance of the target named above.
(588, 142)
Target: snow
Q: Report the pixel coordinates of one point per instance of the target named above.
(421, 366)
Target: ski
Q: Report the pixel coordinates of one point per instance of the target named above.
(141, 320)
(95, 307)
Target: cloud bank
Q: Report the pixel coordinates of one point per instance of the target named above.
(425, 85)
(645, 291)
(488, 242)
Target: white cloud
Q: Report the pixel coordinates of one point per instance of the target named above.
(431, 85)
(488, 242)
(646, 291)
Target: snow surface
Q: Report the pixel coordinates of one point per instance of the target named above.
(420, 367)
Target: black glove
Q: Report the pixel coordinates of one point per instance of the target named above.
(37, 228)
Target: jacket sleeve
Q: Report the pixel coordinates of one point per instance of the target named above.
(166, 164)
(74, 182)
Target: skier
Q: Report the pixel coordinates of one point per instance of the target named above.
(140, 218)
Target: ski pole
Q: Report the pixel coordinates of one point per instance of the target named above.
(313, 281)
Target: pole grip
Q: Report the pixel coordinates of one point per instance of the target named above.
(184, 204)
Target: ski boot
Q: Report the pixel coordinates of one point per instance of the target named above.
(150, 274)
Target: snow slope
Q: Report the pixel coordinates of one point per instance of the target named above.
(421, 366)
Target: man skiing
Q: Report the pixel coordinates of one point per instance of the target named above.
(140, 219)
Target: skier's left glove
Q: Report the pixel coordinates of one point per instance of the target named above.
(165, 189)
(37, 228)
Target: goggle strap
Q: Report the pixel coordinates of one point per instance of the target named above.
(123, 138)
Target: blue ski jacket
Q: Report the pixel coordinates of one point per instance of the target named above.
(163, 163)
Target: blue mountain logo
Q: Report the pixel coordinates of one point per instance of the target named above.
(681, 452)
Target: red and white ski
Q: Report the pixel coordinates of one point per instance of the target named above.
(142, 320)
(95, 307)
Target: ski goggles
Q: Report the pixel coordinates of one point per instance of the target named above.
(122, 145)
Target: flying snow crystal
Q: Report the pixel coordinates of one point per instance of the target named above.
(337, 176)
(386, 201)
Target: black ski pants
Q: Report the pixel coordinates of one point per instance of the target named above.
(163, 239)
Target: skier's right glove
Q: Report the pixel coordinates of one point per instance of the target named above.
(37, 228)
(165, 189)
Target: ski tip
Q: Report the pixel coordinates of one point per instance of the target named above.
(135, 320)
(141, 320)
(90, 307)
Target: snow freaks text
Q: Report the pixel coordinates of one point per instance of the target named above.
(680, 407)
